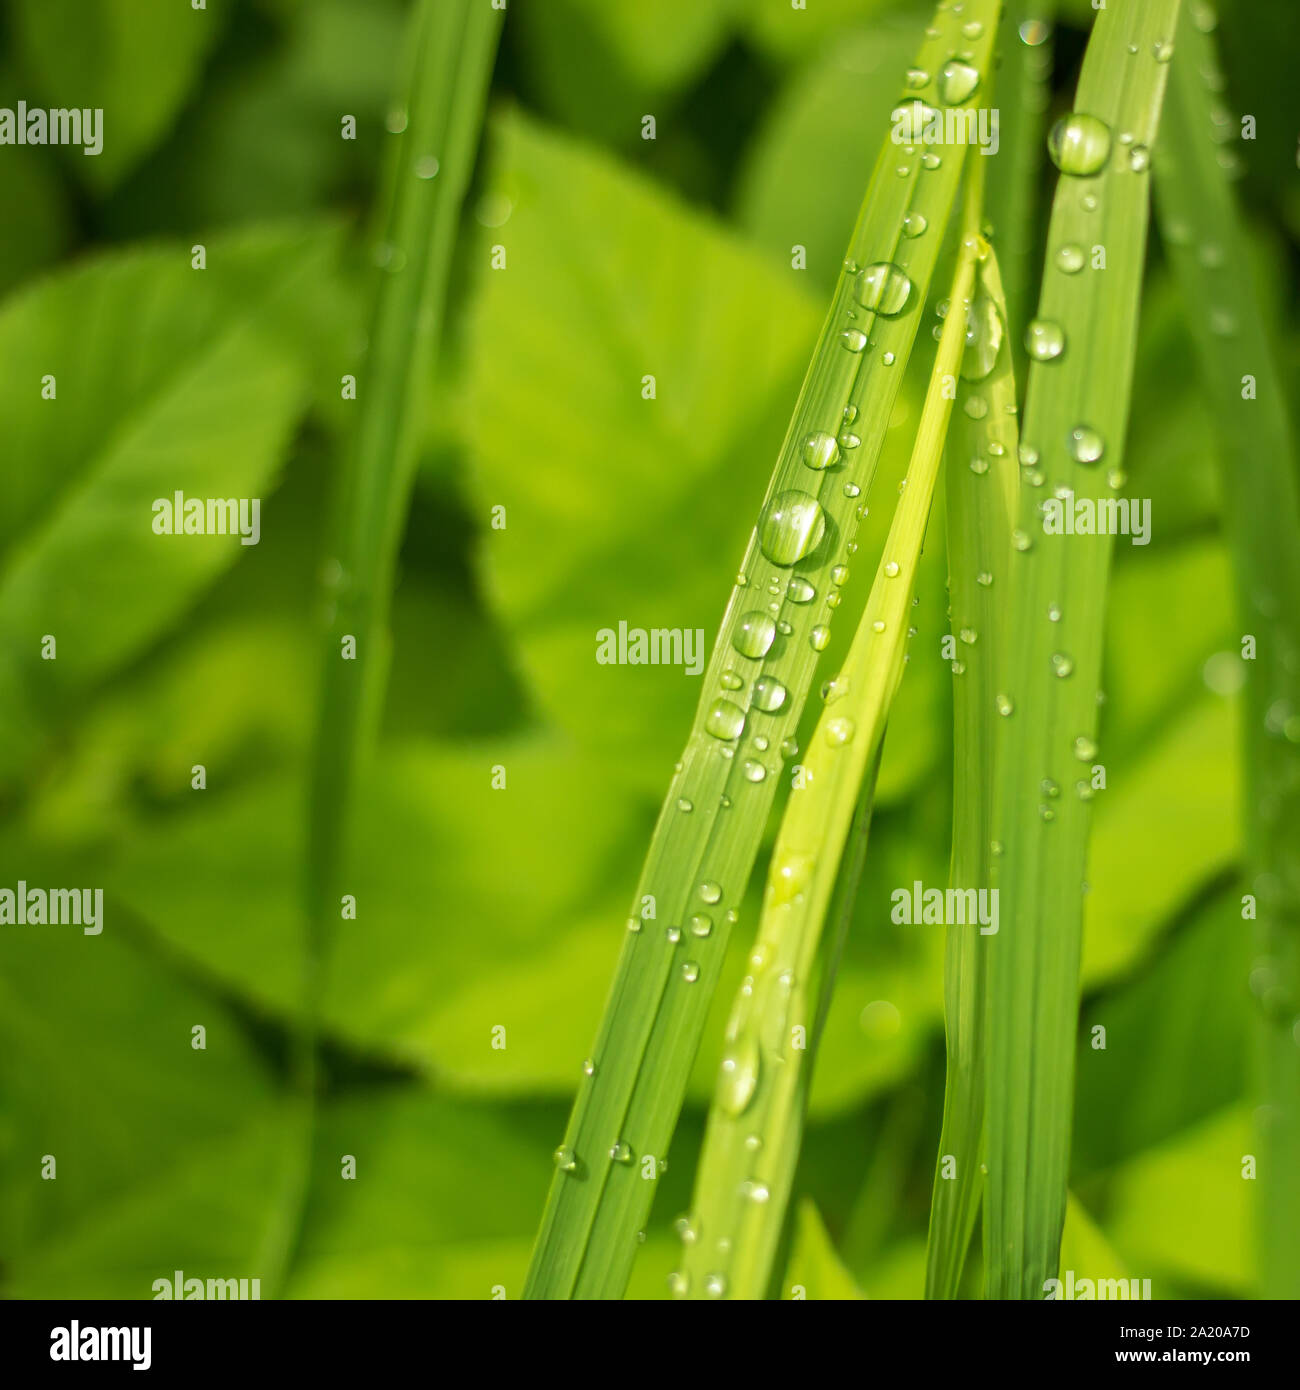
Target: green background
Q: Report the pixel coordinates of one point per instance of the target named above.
(481, 909)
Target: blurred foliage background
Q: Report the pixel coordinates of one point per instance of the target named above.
(482, 908)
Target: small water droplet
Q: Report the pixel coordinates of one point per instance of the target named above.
(620, 1151)
(891, 568)
(1139, 159)
(690, 971)
(819, 638)
(565, 1159)
(754, 771)
(1062, 665)
(589, 1068)
(839, 732)
(914, 224)
(1004, 705)
(1084, 749)
(738, 1076)
(684, 805)
(769, 694)
(710, 892)
(426, 167)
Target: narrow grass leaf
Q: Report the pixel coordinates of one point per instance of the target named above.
(775, 625)
(1082, 348)
(982, 497)
(435, 138)
(1211, 259)
(755, 1124)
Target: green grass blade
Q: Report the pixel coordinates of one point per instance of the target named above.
(755, 1124)
(1073, 438)
(983, 490)
(1211, 259)
(452, 45)
(700, 858)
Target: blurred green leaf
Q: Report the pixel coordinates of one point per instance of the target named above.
(139, 69)
(620, 509)
(167, 379)
(815, 1269)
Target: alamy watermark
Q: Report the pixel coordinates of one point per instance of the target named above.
(179, 515)
(953, 907)
(35, 125)
(1068, 515)
(657, 646)
(1101, 1290)
(54, 907)
(916, 123)
(218, 1290)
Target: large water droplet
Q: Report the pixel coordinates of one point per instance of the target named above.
(1044, 340)
(725, 719)
(820, 450)
(754, 635)
(984, 330)
(738, 1076)
(1085, 445)
(958, 81)
(883, 288)
(769, 694)
(1079, 144)
(791, 527)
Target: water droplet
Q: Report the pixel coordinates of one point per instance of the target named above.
(620, 1152)
(1004, 706)
(791, 527)
(634, 924)
(1070, 258)
(1050, 788)
(984, 579)
(673, 935)
(1139, 159)
(972, 29)
(849, 441)
(1085, 445)
(710, 892)
(1053, 612)
(840, 574)
(839, 732)
(884, 289)
(1034, 32)
(684, 805)
(426, 167)
(917, 78)
(819, 638)
(930, 160)
(969, 636)
(1028, 455)
(396, 120)
(565, 1159)
(979, 465)
(589, 1068)
(1083, 790)
(820, 450)
(914, 224)
(1062, 665)
(690, 971)
(976, 407)
(1084, 749)
(755, 1191)
(715, 1285)
(1046, 812)
(738, 1076)
(754, 771)
(1021, 540)
(984, 331)
(1079, 144)
(1044, 340)
(799, 590)
(891, 568)
(853, 339)
(769, 694)
(754, 635)
(731, 681)
(958, 81)
(725, 719)
(1162, 50)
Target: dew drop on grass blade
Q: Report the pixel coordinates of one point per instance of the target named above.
(1076, 413)
(755, 1124)
(1211, 258)
(774, 627)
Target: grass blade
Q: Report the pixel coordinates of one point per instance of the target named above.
(983, 490)
(452, 47)
(1211, 259)
(1075, 419)
(701, 857)
(755, 1125)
